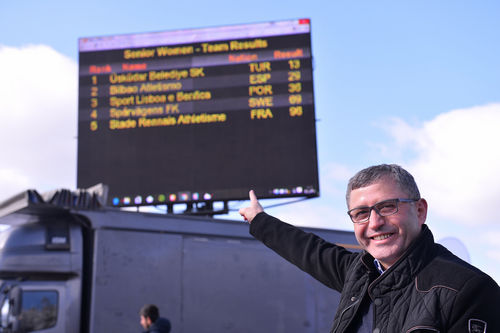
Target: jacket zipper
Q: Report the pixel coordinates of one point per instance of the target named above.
(342, 314)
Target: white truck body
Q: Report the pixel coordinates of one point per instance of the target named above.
(65, 269)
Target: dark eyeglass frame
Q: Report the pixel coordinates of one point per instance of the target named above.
(377, 207)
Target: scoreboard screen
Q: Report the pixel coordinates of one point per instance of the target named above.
(198, 115)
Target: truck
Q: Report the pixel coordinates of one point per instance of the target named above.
(70, 264)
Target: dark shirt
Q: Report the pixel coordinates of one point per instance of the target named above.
(161, 325)
(364, 321)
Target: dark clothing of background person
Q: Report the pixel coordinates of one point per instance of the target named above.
(428, 289)
(161, 325)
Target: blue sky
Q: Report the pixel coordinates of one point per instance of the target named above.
(407, 82)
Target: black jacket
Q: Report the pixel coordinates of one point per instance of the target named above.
(161, 325)
(427, 290)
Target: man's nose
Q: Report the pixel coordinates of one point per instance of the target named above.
(375, 219)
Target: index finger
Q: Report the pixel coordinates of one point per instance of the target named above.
(253, 197)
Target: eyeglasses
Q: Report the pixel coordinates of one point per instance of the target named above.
(383, 208)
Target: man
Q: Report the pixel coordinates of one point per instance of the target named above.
(402, 281)
(151, 320)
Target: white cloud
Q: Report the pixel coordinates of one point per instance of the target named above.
(492, 237)
(456, 162)
(333, 179)
(494, 255)
(490, 241)
(12, 180)
(315, 213)
(39, 112)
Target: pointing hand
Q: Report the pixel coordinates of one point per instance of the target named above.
(255, 208)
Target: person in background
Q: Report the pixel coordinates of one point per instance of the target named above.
(151, 320)
(402, 281)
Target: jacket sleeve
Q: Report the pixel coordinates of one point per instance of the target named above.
(326, 262)
(476, 307)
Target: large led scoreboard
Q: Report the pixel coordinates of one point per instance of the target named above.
(198, 115)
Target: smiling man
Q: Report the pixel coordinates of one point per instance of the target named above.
(402, 281)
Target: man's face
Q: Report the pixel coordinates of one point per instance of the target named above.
(386, 238)
(145, 322)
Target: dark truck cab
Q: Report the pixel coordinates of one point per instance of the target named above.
(70, 265)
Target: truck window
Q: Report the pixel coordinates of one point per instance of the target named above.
(39, 310)
(4, 313)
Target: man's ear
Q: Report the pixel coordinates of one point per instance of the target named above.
(421, 206)
(148, 321)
